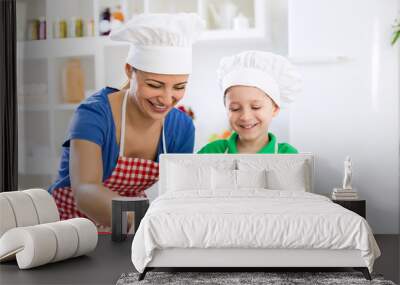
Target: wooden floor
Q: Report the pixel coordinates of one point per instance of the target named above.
(389, 262)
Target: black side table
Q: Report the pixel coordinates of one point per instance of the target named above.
(120, 206)
(357, 206)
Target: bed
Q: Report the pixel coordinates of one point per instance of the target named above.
(247, 211)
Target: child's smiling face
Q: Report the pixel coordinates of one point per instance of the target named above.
(250, 111)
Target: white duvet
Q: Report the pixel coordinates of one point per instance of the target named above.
(252, 218)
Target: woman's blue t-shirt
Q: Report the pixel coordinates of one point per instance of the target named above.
(93, 121)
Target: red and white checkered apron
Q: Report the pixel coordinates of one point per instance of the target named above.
(130, 177)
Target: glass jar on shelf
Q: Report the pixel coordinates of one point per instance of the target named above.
(105, 22)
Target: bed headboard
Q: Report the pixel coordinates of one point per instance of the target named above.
(235, 159)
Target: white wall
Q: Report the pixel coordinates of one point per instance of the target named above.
(350, 108)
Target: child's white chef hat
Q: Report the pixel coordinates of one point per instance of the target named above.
(271, 73)
(161, 43)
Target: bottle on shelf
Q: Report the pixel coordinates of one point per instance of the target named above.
(42, 28)
(33, 30)
(71, 27)
(60, 29)
(79, 28)
(118, 14)
(240, 22)
(89, 32)
(223, 14)
(117, 17)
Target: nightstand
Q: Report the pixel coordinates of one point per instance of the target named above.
(357, 206)
(121, 205)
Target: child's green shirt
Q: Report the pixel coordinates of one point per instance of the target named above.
(229, 146)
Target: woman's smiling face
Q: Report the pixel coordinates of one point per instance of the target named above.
(156, 94)
(250, 111)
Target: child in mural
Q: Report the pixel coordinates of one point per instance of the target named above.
(254, 84)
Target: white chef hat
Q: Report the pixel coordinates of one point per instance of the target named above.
(271, 73)
(161, 43)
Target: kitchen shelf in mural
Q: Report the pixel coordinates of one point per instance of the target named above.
(51, 48)
(319, 59)
(66, 107)
(234, 19)
(46, 107)
(231, 34)
(85, 46)
(33, 107)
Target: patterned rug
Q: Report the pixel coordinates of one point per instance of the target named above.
(243, 278)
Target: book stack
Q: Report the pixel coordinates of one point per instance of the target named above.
(344, 194)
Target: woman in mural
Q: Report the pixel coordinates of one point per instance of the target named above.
(116, 136)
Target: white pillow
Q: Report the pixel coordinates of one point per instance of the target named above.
(227, 179)
(251, 178)
(181, 177)
(223, 179)
(293, 178)
(283, 173)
